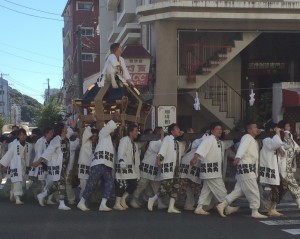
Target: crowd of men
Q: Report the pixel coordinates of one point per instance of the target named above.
(158, 171)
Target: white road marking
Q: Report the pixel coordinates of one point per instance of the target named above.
(281, 222)
(292, 231)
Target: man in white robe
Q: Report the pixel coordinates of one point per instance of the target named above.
(115, 68)
(88, 146)
(57, 156)
(17, 158)
(168, 160)
(210, 154)
(269, 170)
(246, 161)
(127, 167)
(287, 161)
(101, 166)
(149, 170)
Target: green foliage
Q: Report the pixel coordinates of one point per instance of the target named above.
(3, 121)
(28, 105)
(49, 114)
(259, 112)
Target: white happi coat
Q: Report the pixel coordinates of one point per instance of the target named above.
(211, 156)
(131, 159)
(40, 147)
(110, 70)
(248, 153)
(74, 145)
(86, 154)
(269, 170)
(17, 159)
(188, 171)
(148, 167)
(169, 153)
(105, 152)
(54, 156)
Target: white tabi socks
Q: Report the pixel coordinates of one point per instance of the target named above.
(190, 200)
(81, 205)
(172, 208)
(200, 211)
(62, 206)
(11, 196)
(151, 202)
(103, 207)
(41, 197)
(123, 200)
(117, 205)
(18, 200)
(256, 214)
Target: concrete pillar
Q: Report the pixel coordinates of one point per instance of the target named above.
(165, 89)
(105, 27)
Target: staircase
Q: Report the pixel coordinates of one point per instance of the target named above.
(199, 62)
(221, 100)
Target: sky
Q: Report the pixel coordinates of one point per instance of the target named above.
(31, 48)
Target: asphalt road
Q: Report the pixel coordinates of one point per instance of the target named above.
(34, 222)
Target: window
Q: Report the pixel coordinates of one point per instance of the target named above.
(1, 92)
(87, 57)
(87, 31)
(84, 6)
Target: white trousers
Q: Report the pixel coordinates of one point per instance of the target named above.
(247, 187)
(82, 186)
(17, 188)
(70, 192)
(143, 183)
(212, 188)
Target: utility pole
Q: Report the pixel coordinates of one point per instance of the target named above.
(79, 63)
(48, 93)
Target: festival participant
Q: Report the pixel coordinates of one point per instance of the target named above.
(269, 169)
(57, 156)
(74, 146)
(210, 153)
(148, 168)
(287, 162)
(40, 146)
(127, 167)
(16, 158)
(88, 146)
(168, 159)
(246, 161)
(102, 166)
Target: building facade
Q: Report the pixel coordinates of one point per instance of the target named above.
(222, 49)
(4, 98)
(15, 114)
(83, 14)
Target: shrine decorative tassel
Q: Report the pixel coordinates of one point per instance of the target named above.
(252, 99)
(197, 102)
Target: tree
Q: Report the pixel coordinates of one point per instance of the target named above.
(49, 114)
(3, 121)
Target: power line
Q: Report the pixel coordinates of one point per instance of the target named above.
(31, 15)
(32, 52)
(33, 9)
(34, 72)
(14, 81)
(29, 59)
